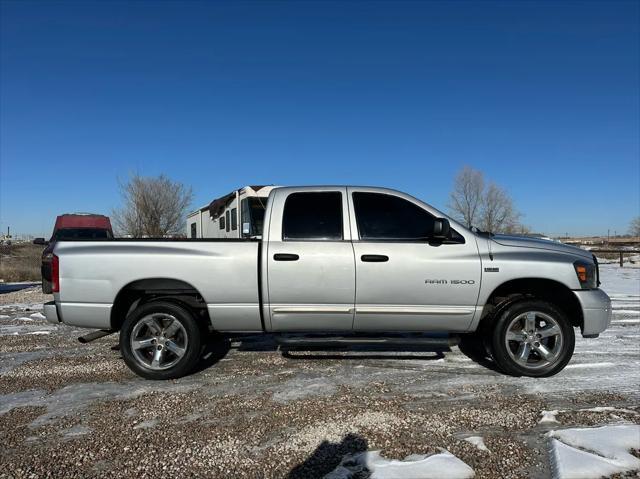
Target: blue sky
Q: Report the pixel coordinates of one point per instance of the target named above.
(543, 97)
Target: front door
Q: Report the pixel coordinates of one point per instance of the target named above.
(310, 264)
(405, 282)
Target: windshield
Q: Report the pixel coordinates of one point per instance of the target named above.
(81, 233)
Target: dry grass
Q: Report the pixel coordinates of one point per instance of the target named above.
(20, 262)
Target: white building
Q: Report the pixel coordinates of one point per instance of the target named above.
(240, 214)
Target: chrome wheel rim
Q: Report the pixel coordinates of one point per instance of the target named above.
(158, 341)
(534, 340)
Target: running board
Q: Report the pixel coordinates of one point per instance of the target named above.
(308, 342)
(87, 338)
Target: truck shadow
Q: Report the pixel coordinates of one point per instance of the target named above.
(327, 456)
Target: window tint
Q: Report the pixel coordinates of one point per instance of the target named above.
(252, 212)
(388, 217)
(313, 216)
(81, 233)
(234, 219)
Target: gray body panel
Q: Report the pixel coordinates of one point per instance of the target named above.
(329, 288)
(225, 274)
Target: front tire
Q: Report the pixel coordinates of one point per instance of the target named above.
(532, 338)
(160, 340)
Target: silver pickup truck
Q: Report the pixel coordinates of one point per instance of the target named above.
(338, 260)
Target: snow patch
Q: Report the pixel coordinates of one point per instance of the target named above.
(437, 466)
(477, 441)
(146, 424)
(548, 416)
(589, 365)
(585, 453)
(40, 332)
(608, 409)
(38, 316)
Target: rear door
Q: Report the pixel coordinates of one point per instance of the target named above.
(405, 282)
(310, 262)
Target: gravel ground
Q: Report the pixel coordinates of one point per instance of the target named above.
(73, 410)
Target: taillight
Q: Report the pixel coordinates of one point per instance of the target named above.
(55, 274)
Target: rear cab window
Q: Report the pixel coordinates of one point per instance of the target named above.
(313, 216)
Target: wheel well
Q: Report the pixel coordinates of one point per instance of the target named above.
(546, 289)
(155, 289)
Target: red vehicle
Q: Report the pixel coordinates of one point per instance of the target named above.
(72, 226)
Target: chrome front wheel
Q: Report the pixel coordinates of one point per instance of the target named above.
(532, 337)
(534, 340)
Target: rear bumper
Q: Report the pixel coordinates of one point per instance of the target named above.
(51, 312)
(596, 310)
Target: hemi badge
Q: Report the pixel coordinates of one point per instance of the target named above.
(492, 270)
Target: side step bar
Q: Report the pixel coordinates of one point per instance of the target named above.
(87, 338)
(314, 342)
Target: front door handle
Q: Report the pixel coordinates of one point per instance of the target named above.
(286, 257)
(374, 258)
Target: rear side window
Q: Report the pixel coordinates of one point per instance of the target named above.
(234, 219)
(313, 216)
(387, 217)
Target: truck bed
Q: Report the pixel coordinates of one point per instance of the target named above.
(224, 272)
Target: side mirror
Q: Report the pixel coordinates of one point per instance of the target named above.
(40, 241)
(441, 228)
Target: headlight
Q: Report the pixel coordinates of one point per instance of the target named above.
(586, 274)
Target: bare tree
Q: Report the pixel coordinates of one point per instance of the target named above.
(465, 200)
(498, 212)
(488, 207)
(634, 227)
(152, 207)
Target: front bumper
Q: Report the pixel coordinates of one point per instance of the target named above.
(51, 312)
(596, 310)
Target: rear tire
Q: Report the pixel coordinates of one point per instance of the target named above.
(532, 338)
(161, 340)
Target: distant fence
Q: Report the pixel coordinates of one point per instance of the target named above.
(616, 251)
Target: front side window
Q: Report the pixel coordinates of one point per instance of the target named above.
(313, 216)
(386, 217)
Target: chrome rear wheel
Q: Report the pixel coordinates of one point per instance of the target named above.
(161, 340)
(158, 341)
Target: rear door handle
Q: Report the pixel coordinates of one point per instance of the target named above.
(286, 257)
(374, 258)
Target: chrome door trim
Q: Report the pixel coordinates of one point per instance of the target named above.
(421, 310)
(312, 310)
